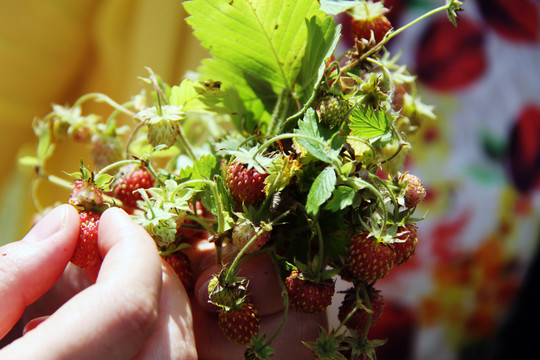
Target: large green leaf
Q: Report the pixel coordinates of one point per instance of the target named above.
(258, 47)
(265, 39)
(323, 37)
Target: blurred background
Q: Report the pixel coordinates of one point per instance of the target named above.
(465, 295)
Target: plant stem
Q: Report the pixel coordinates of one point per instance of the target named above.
(103, 98)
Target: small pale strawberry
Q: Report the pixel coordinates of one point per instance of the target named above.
(86, 194)
(246, 185)
(86, 252)
(308, 296)
(359, 320)
(405, 247)
(162, 124)
(244, 232)
(239, 323)
(106, 149)
(368, 258)
(368, 17)
(415, 192)
(181, 265)
(131, 178)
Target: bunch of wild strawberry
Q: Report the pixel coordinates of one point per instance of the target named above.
(301, 159)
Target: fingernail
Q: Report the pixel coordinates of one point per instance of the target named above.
(32, 324)
(47, 227)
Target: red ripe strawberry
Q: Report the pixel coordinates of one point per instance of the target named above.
(307, 296)
(132, 178)
(415, 192)
(244, 232)
(408, 238)
(359, 320)
(239, 323)
(369, 259)
(85, 193)
(86, 252)
(246, 185)
(367, 17)
(181, 265)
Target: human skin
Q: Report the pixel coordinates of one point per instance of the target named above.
(132, 305)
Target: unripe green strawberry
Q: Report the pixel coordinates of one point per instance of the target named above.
(239, 323)
(225, 294)
(415, 192)
(307, 296)
(332, 111)
(359, 320)
(404, 248)
(244, 232)
(246, 185)
(86, 252)
(368, 17)
(369, 259)
(131, 178)
(181, 265)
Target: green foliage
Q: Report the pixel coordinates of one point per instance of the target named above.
(320, 143)
(202, 169)
(321, 190)
(262, 48)
(343, 197)
(368, 123)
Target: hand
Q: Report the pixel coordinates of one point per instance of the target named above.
(265, 293)
(136, 307)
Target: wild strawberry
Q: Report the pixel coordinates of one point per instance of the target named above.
(415, 192)
(162, 124)
(369, 259)
(369, 17)
(239, 323)
(246, 185)
(244, 232)
(162, 132)
(106, 149)
(86, 194)
(181, 265)
(225, 293)
(332, 111)
(131, 178)
(86, 252)
(405, 247)
(359, 320)
(307, 296)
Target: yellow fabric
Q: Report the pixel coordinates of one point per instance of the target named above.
(54, 51)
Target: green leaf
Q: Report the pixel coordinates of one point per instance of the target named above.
(335, 7)
(257, 46)
(264, 39)
(321, 190)
(29, 161)
(202, 168)
(369, 123)
(199, 96)
(323, 37)
(343, 196)
(322, 143)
